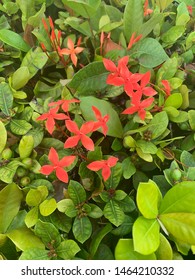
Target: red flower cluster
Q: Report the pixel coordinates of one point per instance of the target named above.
(55, 41)
(135, 85)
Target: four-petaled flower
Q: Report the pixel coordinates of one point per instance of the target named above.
(144, 81)
(57, 165)
(105, 165)
(101, 121)
(64, 103)
(50, 118)
(71, 51)
(138, 106)
(80, 135)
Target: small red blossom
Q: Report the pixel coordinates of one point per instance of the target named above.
(71, 51)
(147, 11)
(133, 40)
(145, 79)
(190, 9)
(57, 165)
(166, 87)
(80, 135)
(138, 106)
(105, 165)
(50, 118)
(64, 103)
(101, 121)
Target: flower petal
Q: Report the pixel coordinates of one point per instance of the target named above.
(112, 161)
(106, 172)
(66, 161)
(53, 156)
(74, 59)
(70, 44)
(87, 142)
(109, 65)
(72, 141)
(97, 112)
(87, 127)
(50, 123)
(72, 126)
(61, 174)
(96, 165)
(46, 169)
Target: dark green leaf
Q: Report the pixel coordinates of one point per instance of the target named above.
(76, 192)
(6, 98)
(113, 213)
(82, 229)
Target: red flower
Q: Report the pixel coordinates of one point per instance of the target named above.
(80, 135)
(138, 106)
(57, 165)
(166, 87)
(133, 40)
(105, 165)
(101, 121)
(148, 91)
(50, 117)
(71, 51)
(115, 78)
(64, 103)
(147, 11)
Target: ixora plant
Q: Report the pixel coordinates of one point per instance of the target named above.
(97, 129)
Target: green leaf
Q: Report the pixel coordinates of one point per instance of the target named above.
(20, 77)
(191, 114)
(76, 192)
(128, 168)
(150, 24)
(113, 213)
(36, 18)
(115, 176)
(35, 59)
(180, 225)
(133, 18)
(182, 14)
(173, 34)
(95, 211)
(158, 124)
(6, 98)
(51, 142)
(35, 196)
(180, 198)
(10, 199)
(114, 125)
(8, 171)
(97, 239)
(37, 134)
(124, 250)
(150, 53)
(47, 207)
(167, 70)
(146, 146)
(67, 249)
(48, 233)
(60, 221)
(146, 235)
(82, 229)
(20, 127)
(26, 146)
(164, 251)
(25, 239)
(90, 79)
(83, 7)
(163, 4)
(67, 206)
(3, 137)
(32, 217)
(148, 199)
(13, 39)
(34, 254)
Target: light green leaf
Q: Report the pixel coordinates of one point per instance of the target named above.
(26, 146)
(90, 79)
(32, 217)
(158, 124)
(47, 207)
(25, 239)
(124, 250)
(173, 34)
(6, 98)
(133, 18)
(174, 100)
(164, 251)
(20, 77)
(82, 229)
(13, 39)
(180, 225)
(67, 249)
(191, 114)
(146, 235)
(128, 168)
(35, 254)
(180, 198)
(148, 199)
(48, 233)
(67, 206)
(10, 199)
(8, 171)
(150, 24)
(20, 127)
(146, 146)
(35, 196)
(113, 213)
(114, 125)
(83, 7)
(3, 136)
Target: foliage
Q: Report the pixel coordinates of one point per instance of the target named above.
(97, 121)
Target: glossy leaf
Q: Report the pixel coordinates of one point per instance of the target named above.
(180, 198)
(6, 98)
(20, 77)
(82, 229)
(26, 146)
(76, 192)
(128, 168)
(20, 127)
(67, 206)
(146, 235)
(114, 125)
(8, 171)
(148, 199)
(158, 124)
(173, 34)
(180, 225)
(48, 206)
(67, 249)
(35, 196)
(191, 114)
(10, 200)
(3, 136)
(113, 213)
(164, 251)
(83, 7)
(32, 217)
(48, 233)
(124, 250)
(13, 39)
(35, 254)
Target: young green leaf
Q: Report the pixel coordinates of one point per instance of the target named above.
(26, 146)
(47, 207)
(13, 39)
(3, 133)
(67, 249)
